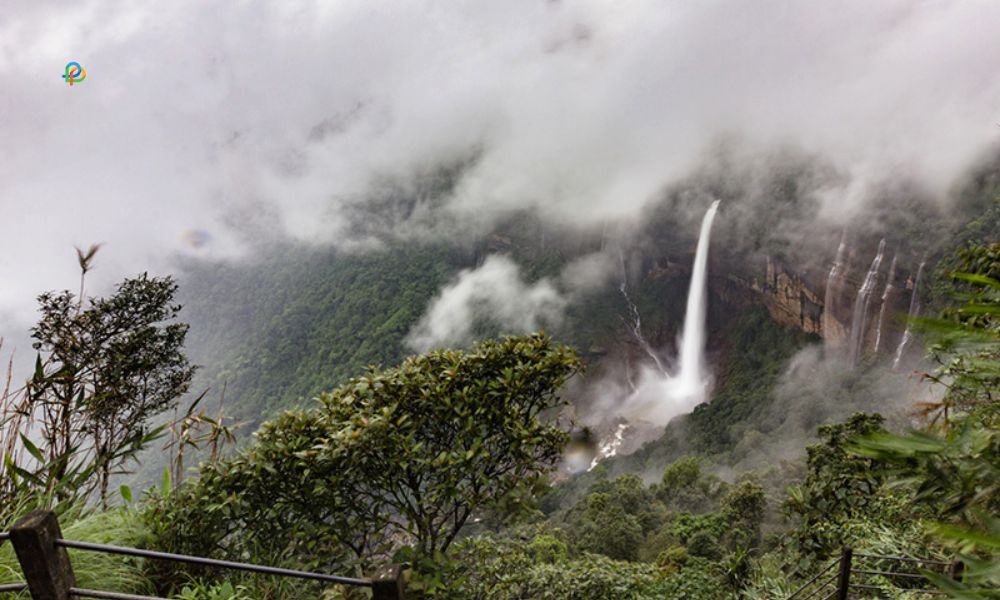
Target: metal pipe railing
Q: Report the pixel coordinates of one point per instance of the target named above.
(212, 562)
(864, 572)
(925, 561)
(41, 551)
(85, 593)
(814, 578)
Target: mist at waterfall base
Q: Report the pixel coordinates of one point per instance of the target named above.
(662, 394)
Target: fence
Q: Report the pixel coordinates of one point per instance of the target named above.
(861, 575)
(48, 573)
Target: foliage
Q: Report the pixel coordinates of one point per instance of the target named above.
(839, 487)
(410, 452)
(967, 337)
(606, 528)
(743, 509)
(214, 591)
(685, 487)
(105, 368)
(492, 568)
(953, 468)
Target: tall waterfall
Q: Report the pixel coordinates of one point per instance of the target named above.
(914, 311)
(635, 323)
(862, 305)
(886, 298)
(834, 285)
(691, 375)
(660, 397)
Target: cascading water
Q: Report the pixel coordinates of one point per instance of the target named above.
(691, 375)
(886, 298)
(834, 285)
(913, 312)
(862, 305)
(660, 397)
(635, 326)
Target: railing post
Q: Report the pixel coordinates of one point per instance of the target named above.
(47, 569)
(844, 578)
(387, 584)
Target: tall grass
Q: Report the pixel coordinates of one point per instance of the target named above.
(93, 570)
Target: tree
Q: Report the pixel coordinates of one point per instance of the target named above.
(606, 528)
(685, 487)
(411, 452)
(839, 486)
(105, 367)
(449, 433)
(743, 506)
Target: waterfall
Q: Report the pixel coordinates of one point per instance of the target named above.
(635, 325)
(834, 285)
(862, 304)
(913, 312)
(659, 396)
(886, 298)
(691, 375)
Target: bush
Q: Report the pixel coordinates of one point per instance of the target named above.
(490, 568)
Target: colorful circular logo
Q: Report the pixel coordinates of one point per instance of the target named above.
(74, 73)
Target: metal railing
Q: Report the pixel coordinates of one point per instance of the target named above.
(864, 575)
(48, 572)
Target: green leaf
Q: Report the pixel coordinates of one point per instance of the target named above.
(32, 449)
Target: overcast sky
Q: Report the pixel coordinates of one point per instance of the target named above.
(198, 116)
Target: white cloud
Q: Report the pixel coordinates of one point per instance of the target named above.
(496, 292)
(197, 115)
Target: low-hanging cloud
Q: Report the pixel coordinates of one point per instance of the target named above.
(493, 292)
(204, 125)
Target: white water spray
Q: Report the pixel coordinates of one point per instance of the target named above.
(862, 305)
(660, 397)
(834, 285)
(886, 298)
(914, 311)
(609, 447)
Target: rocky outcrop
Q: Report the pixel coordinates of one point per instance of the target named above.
(789, 300)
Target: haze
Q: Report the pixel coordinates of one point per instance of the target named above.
(203, 126)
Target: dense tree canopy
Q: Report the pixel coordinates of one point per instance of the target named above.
(411, 452)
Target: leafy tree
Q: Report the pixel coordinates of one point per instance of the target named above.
(681, 473)
(743, 507)
(411, 452)
(631, 494)
(606, 528)
(684, 486)
(839, 486)
(106, 366)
